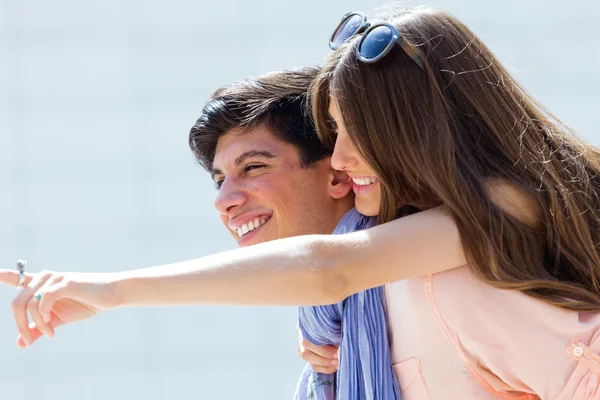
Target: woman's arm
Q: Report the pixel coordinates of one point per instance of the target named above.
(304, 270)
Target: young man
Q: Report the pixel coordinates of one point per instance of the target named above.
(274, 178)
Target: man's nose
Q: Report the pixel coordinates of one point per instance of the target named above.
(230, 195)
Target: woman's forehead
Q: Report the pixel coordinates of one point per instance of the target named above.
(334, 109)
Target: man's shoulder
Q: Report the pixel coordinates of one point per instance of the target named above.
(353, 221)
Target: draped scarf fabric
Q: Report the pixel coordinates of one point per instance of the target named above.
(359, 326)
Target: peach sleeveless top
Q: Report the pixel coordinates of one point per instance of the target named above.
(453, 337)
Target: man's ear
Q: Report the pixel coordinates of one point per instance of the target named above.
(340, 184)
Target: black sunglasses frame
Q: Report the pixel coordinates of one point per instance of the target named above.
(367, 27)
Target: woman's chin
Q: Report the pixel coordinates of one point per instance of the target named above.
(367, 208)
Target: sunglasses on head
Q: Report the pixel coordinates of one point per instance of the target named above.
(376, 42)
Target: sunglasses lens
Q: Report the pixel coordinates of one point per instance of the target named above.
(347, 29)
(375, 42)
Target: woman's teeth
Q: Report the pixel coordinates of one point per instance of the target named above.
(250, 226)
(364, 181)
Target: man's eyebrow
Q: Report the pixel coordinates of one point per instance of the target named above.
(252, 154)
(242, 157)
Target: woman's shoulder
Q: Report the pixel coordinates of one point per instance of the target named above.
(458, 291)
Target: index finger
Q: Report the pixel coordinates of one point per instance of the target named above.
(11, 277)
(36, 333)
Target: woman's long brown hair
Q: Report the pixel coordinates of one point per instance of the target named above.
(440, 136)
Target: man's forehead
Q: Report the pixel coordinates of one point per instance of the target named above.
(260, 141)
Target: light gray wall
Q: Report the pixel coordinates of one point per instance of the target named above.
(96, 100)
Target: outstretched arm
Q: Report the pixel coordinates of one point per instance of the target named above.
(304, 270)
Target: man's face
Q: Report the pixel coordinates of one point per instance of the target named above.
(266, 194)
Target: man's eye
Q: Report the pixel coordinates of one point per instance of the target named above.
(253, 166)
(218, 184)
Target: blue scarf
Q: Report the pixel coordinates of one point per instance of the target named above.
(359, 326)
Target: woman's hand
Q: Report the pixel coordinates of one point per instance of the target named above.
(323, 359)
(54, 299)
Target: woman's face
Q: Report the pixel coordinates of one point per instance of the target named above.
(346, 157)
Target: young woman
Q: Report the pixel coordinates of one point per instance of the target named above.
(489, 224)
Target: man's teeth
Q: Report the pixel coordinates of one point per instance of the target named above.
(364, 181)
(250, 226)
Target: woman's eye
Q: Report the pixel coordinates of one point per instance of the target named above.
(218, 184)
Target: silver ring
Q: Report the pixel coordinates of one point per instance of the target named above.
(21, 265)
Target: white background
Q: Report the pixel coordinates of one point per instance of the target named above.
(96, 101)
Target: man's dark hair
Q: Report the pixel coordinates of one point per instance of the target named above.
(277, 99)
